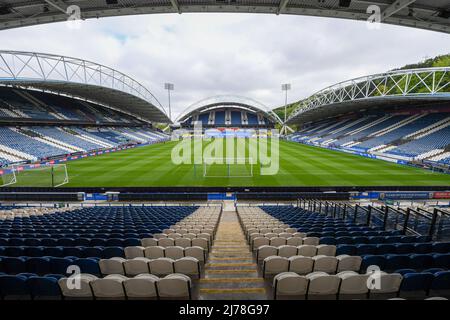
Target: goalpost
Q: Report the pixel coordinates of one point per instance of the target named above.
(228, 167)
(51, 175)
(8, 177)
(59, 176)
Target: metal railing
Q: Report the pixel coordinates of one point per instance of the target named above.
(433, 222)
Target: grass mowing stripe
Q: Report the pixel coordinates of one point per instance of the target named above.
(300, 165)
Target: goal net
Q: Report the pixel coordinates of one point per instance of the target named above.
(227, 167)
(7, 177)
(44, 176)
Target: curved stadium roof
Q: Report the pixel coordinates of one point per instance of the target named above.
(215, 102)
(424, 14)
(414, 87)
(80, 79)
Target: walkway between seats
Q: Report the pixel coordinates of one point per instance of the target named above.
(231, 271)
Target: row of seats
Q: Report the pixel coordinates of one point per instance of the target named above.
(398, 248)
(80, 251)
(203, 241)
(373, 240)
(190, 266)
(306, 250)
(393, 253)
(273, 265)
(116, 287)
(400, 261)
(352, 285)
(278, 241)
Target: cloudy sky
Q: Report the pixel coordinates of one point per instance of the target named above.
(243, 54)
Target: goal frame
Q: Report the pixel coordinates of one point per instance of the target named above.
(50, 167)
(228, 162)
(14, 179)
(66, 175)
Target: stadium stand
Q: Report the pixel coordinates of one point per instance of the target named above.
(38, 245)
(409, 267)
(421, 136)
(38, 125)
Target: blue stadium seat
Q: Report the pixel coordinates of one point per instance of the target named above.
(373, 260)
(93, 252)
(416, 285)
(408, 239)
(74, 251)
(441, 247)
(441, 284)
(393, 239)
(14, 251)
(66, 242)
(33, 251)
(114, 242)
(53, 251)
(343, 240)
(83, 242)
(32, 242)
(421, 261)
(441, 260)
(16, 242)
(129, 242)
(49, 242)
(345, 249)
(39, 266)
(13, 265)
(386, 248)
(362, 249)
(395, 261)
(405, 271)
(14, 287)
(44, 288)
(111, 252)
(376, 239)
(60, 265)
(360, 240)
(423, 247)
(405, 248)
(98, 242)
(88, 265)
(433, 270)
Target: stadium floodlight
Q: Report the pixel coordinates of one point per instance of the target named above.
(285, 87)
(169, 87)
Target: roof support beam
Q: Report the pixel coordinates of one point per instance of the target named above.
(176, 5)
(396, 7)
(283, 4)
(57, 7)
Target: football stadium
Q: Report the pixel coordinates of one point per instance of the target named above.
(341, 194)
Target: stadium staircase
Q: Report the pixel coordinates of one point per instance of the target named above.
(231, 272)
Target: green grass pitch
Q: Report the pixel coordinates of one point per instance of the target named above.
(300, 165)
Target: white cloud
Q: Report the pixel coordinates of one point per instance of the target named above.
(249, 55)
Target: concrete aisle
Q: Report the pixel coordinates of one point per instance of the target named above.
(231, 272)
